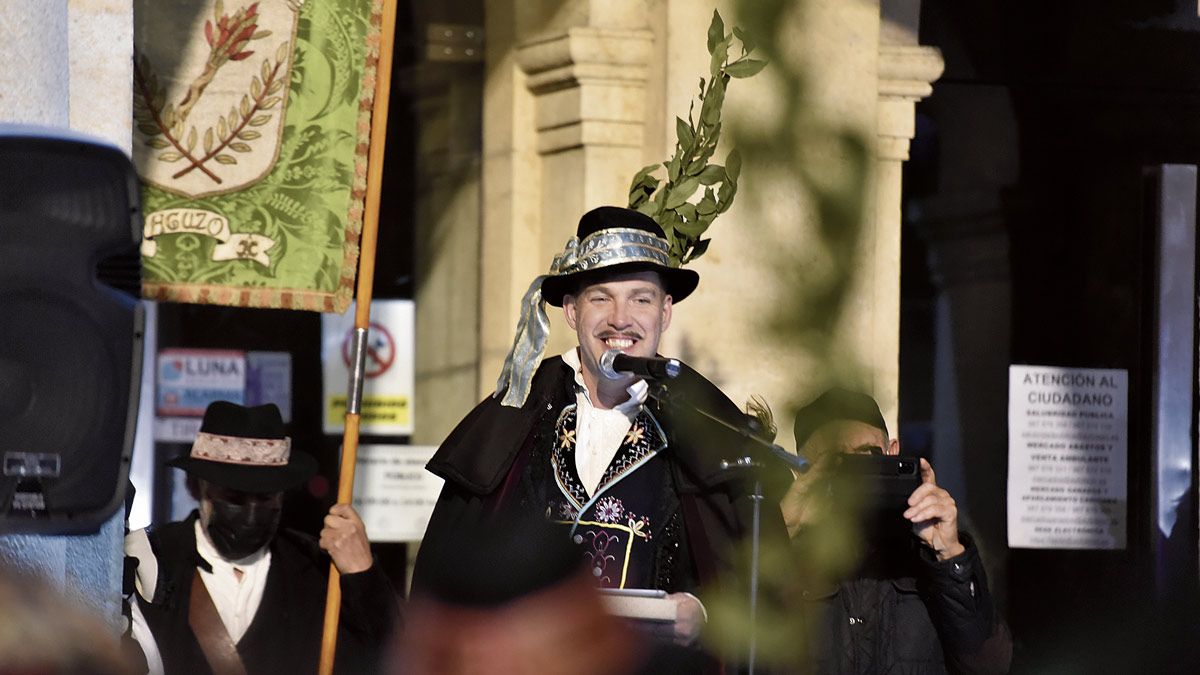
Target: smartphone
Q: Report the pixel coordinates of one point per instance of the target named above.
(885, 482)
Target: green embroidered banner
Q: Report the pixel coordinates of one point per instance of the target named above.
(251, 127)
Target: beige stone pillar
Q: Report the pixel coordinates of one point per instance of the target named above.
(906, 74)
(445, 100)
(563, 133)
(866, 72)
(34, 72)
(588, 84)
(723, 330)
(100, 33)
(68, 64)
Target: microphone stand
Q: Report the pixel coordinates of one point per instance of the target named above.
(732, 471)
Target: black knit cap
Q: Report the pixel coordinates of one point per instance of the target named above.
(678, 282)
(835, 405)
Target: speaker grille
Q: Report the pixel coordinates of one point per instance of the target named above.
(71, 367)
(123, 272)
(70, 346)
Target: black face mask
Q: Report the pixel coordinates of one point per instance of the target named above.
(237, 530)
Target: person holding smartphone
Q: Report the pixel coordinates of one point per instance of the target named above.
(918, 601)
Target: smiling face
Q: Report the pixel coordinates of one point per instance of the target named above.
(628, 312)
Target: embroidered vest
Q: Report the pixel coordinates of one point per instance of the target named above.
(613, 526)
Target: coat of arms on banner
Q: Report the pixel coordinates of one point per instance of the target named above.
(251, 122)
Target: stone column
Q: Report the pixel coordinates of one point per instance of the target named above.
(511, 192)
(100, 34)
(724, 330)
(588, 84)
(591, 96)
(34, 66)
(865, 71)
(906, 74)
(68, 64)
(447, 175)
(563, 132)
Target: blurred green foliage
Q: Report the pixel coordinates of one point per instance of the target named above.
(828, 162)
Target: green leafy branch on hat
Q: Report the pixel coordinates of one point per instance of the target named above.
(669, 204)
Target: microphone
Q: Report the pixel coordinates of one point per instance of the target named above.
(615, 364)
(797, 463)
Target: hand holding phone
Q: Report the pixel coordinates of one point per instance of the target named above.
(934, 515)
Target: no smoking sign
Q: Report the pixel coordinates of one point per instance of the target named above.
(387, 398)
(381, 350)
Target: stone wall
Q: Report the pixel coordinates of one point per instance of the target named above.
(69, 64)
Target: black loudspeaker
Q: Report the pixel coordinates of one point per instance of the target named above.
(70, 329)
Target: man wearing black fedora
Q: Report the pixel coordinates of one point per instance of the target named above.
(226, 590)
(631, 484)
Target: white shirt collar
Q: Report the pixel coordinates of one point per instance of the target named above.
(638, 391)
(599, 433)
(236, 599)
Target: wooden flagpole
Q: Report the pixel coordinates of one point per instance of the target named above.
(362, 314)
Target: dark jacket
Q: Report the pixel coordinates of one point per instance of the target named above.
(934, 617)
(488, 458)
(285, 636)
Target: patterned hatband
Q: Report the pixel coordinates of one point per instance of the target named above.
(612, 246)
(239, 450)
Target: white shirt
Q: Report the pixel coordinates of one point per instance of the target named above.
(236, 600)
(599, 432)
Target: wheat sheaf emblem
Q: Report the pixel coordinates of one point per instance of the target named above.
(167, 126)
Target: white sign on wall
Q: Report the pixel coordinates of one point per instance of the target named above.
(388, 385)
(190, 379)
(1067, 457)
(393, 493)
(187, 380)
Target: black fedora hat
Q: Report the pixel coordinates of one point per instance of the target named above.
(611, 241)
(245, 449)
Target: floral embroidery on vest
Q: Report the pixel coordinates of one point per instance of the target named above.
(606, 525)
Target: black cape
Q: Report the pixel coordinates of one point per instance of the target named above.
(485, 456)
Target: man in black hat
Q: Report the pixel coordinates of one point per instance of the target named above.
(226, 590)
(918, 602)
(633, 485)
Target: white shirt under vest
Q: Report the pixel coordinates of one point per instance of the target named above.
(599, 432)
(236, 600)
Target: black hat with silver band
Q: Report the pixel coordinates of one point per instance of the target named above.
(610, 241)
